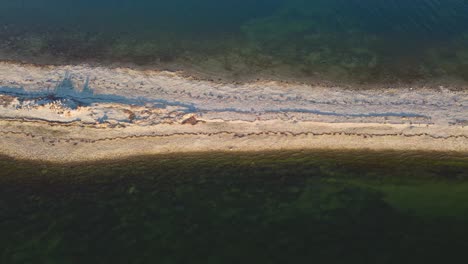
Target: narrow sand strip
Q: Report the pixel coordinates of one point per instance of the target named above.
(75, 113)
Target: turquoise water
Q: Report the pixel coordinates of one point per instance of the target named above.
(294, 207)
(352, 41)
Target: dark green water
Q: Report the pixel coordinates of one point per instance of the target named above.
(351, 41)
(292, 207)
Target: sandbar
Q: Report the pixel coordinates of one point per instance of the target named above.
(85, 113)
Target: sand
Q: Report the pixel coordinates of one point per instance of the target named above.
(82, 112)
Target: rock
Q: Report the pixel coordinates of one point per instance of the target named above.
(191, 120)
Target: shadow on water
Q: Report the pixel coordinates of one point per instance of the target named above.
(328, 207)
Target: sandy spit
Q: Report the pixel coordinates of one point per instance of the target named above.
(80, 112)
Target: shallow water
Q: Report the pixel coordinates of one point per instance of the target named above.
(358, 207)
(357, 41)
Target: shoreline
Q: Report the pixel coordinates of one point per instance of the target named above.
(82, 113)
(63, 150)
(288, 77)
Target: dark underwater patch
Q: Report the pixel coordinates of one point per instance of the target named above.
(252, 207)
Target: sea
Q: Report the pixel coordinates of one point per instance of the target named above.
(264, 207)
(338, 41)
(271, 207)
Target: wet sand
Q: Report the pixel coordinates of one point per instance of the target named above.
(82, 112)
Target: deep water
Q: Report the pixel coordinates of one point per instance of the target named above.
(291, 207)
(351, 41)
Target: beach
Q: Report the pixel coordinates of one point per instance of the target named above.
(84, 113)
